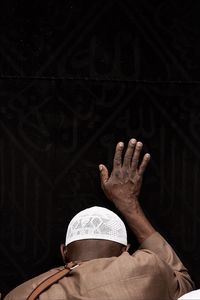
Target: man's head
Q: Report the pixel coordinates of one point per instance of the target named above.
(93, 233)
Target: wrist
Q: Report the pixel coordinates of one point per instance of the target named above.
(128, 206)
(137, 221)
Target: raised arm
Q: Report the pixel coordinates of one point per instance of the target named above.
(123, 186)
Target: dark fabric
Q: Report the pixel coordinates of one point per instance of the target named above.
(75, 78)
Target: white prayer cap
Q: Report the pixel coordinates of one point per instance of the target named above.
(96, 223)
(191, 295)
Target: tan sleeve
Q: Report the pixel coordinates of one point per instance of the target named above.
(181, 281)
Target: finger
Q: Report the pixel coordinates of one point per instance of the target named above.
(129, 153)
(117, 162)
(103, 174)
(136, 155)
(144, 163)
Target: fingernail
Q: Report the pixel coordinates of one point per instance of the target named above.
(133, 141)
(100, 167)
(139, 144)
(121, 144)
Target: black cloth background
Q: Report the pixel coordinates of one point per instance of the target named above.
(75, 78)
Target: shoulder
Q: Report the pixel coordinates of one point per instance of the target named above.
(141, 262)
(23, 291)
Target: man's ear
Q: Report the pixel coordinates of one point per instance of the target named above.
(63, 250)
(126, 248)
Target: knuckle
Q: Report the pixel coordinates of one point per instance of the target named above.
(117, 162)
(125, 173)
(117, 174)
(128, 157)
(135, 160)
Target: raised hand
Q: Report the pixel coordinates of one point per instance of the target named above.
(123, 186)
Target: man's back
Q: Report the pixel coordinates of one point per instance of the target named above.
(146, 275)
(117, 278)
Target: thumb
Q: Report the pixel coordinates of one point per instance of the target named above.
(103, 174)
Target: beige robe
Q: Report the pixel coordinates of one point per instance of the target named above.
(154, 272)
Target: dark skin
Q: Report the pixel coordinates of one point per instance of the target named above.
(84, 250)
(122, 187)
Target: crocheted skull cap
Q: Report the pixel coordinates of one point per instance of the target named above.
(96, 223)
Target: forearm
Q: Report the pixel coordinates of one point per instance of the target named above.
(138, 222)
(124, 184)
